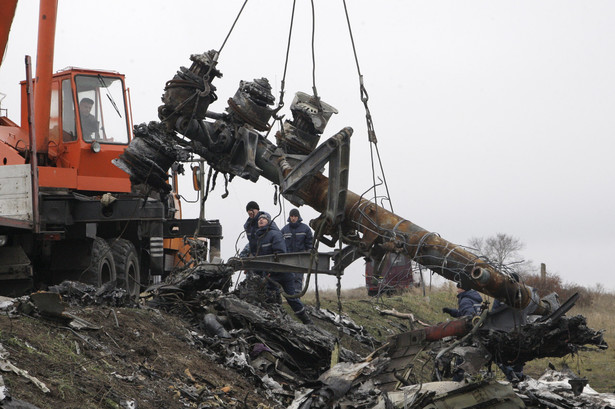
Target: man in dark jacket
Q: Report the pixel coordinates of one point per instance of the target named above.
(298, 237)
(250, 227)
(269, 240)
(468, 301)
(89, 124)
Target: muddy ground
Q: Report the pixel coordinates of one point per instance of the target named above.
(140, 357)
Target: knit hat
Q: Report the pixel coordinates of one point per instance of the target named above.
(265, 215)
(463, 286)
(294, 212)
(252, 205)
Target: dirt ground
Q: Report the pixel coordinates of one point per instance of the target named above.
(139, 357)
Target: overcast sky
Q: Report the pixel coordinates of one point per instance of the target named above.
(491, 116)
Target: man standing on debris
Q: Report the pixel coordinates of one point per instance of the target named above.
(298, 237)
(250, 227)
(269, 240)
(468, 301)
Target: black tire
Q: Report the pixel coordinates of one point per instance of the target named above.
(126, 266)
(102, 266)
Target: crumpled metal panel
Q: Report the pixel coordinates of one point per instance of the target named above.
(447, 395)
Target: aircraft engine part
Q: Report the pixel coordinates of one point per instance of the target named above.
(149, 156)
(310, 117)
(190, 92)
(251, 103)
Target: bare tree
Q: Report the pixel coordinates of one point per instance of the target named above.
(503, 251)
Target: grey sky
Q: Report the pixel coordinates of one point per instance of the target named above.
(491, 116)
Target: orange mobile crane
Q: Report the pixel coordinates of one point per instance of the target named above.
(66, 212)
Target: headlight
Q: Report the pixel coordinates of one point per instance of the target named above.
(95, 147)
(3, 239)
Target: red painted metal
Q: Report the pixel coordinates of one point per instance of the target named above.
(6, 20)
(44, 68)
(456, 328)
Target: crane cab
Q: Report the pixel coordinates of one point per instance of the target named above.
(89, 126)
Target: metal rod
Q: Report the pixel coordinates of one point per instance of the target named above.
(33, 151)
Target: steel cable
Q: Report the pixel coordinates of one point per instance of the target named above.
(371, 133)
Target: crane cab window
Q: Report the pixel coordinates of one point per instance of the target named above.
(69, 132)
(102, 110)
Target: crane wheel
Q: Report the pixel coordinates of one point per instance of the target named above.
(102, 267)
(126, 266)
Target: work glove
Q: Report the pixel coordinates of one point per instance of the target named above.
(447, 310)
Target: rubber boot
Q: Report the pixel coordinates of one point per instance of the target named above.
(305, 318)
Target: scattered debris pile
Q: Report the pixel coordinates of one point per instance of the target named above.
(214, 349)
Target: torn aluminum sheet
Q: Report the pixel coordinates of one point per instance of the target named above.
(6, 366)
(272, 384)
(128, 404)
(6, 303)
(554, 388)
(336, 383)
(474, 357)
(347, 326)
(79, 323)
(447, 394)
(4, 392)
(50, 304)
(341, 376)
(236, 360)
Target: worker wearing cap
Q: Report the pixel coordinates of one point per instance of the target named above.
(250, 227)
(298, 237)
(468, 301)
(269, 240)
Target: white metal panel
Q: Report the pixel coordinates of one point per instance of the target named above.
(16, 192)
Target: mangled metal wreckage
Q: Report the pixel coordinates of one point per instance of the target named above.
(233, 144)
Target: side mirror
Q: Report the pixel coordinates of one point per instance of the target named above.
(196, 178)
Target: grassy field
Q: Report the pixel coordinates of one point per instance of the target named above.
(597, 366)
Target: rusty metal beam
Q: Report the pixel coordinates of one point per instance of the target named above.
(379, 226)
